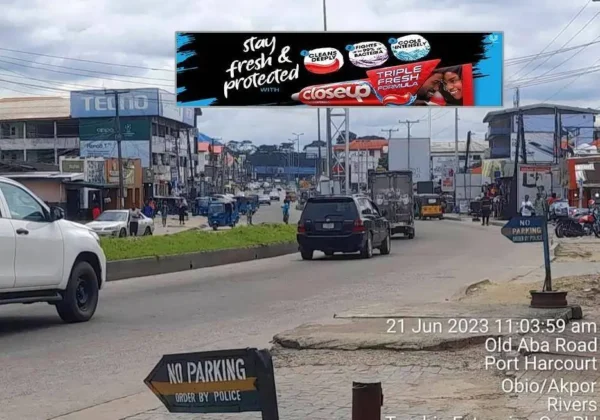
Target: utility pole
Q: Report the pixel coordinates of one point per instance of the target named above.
(298, 167)
(390, 131)
(408, 124)
(192, 166)
(456, 160)
(177, 161)
(213, 162)
(517, 97)
(320, 165)
(118, 139)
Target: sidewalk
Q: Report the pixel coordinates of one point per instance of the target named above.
(464, 218)
(194, 222)
(435, 374)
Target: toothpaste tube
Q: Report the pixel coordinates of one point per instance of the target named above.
(354, 93)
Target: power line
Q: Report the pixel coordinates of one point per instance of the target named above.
(555, 38)
(564, 61)
(519, 60)
(81, 75)
(564, 45)
(566, 85)
(90, 71)
(85, 61)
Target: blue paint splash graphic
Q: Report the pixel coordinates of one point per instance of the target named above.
(488, 88)
(181, 90)
(198, 104)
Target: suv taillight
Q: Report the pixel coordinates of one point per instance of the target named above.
(301, 228)
(358, 226)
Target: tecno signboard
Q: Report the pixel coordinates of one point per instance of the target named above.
(339, 69)
(100, 103)
(413, 154)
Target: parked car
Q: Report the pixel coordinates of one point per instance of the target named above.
(264, 199)
(558, 209)
(116, 223)
(274, 195)
(343, 224)
(45, 258)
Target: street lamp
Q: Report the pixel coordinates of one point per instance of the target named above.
(298, 140)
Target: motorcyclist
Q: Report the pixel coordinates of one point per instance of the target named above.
(286, 210)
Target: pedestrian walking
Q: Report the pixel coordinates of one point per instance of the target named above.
(526, 209)
(181, 211)
(486, 210)
(164, 213)
(539, 205)
(249, 215)
(134, 220)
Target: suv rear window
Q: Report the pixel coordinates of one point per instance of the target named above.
(342, 208)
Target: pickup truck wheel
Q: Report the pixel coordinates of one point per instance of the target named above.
(122, 233)
(80, 299)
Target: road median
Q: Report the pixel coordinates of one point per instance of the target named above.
(153, 255)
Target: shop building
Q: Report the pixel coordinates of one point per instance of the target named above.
(37, 129)
(153, 129)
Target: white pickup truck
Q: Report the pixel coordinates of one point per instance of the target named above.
(45, 258)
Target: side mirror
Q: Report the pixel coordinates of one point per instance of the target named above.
(366, 212)
(56, 213)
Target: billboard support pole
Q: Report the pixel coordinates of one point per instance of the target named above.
(347, 151)
(119, 151)
(456, 159)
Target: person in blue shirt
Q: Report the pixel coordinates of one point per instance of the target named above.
(286, 210)
(148, 210)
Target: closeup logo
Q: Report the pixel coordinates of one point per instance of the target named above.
(323, 60)
(335, 93)
(367, 54)
(410, 47)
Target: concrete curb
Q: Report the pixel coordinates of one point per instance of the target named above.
(152, 266)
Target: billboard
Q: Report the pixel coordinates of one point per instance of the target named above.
(539, 147)
(130, 149)
(533, 180)
(577, 130)
(443, 168)
(339, 69)
(104, 129)
(169, 109)
(101, 103)
(419, 163)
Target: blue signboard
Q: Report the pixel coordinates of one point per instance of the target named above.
(130, 149)
(99, 103)
(524, 229)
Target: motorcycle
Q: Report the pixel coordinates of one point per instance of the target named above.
(573, 227)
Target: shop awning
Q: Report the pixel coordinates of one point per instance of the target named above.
(84, 184)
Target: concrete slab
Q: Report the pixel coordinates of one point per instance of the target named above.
(432, 328)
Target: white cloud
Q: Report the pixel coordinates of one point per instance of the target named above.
(142, 32)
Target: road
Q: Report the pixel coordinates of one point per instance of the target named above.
(49, 368)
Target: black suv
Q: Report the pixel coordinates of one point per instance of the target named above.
(342, 224)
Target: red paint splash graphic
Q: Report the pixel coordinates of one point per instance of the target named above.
(395, 85)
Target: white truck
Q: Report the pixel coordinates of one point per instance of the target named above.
(45, 258)
(392, 192)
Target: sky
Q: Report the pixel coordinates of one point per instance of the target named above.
(140, 34)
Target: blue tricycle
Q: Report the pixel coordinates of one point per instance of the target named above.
(223, 213)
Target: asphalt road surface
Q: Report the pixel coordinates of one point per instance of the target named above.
(49, 368)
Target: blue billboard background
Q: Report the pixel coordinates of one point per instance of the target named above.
(98, 103)
(130, 149)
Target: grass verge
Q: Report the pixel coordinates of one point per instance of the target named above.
(197, 241)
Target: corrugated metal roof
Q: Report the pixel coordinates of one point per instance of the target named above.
(34, 108)
(537, 107)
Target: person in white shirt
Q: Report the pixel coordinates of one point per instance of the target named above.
(526, 207)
